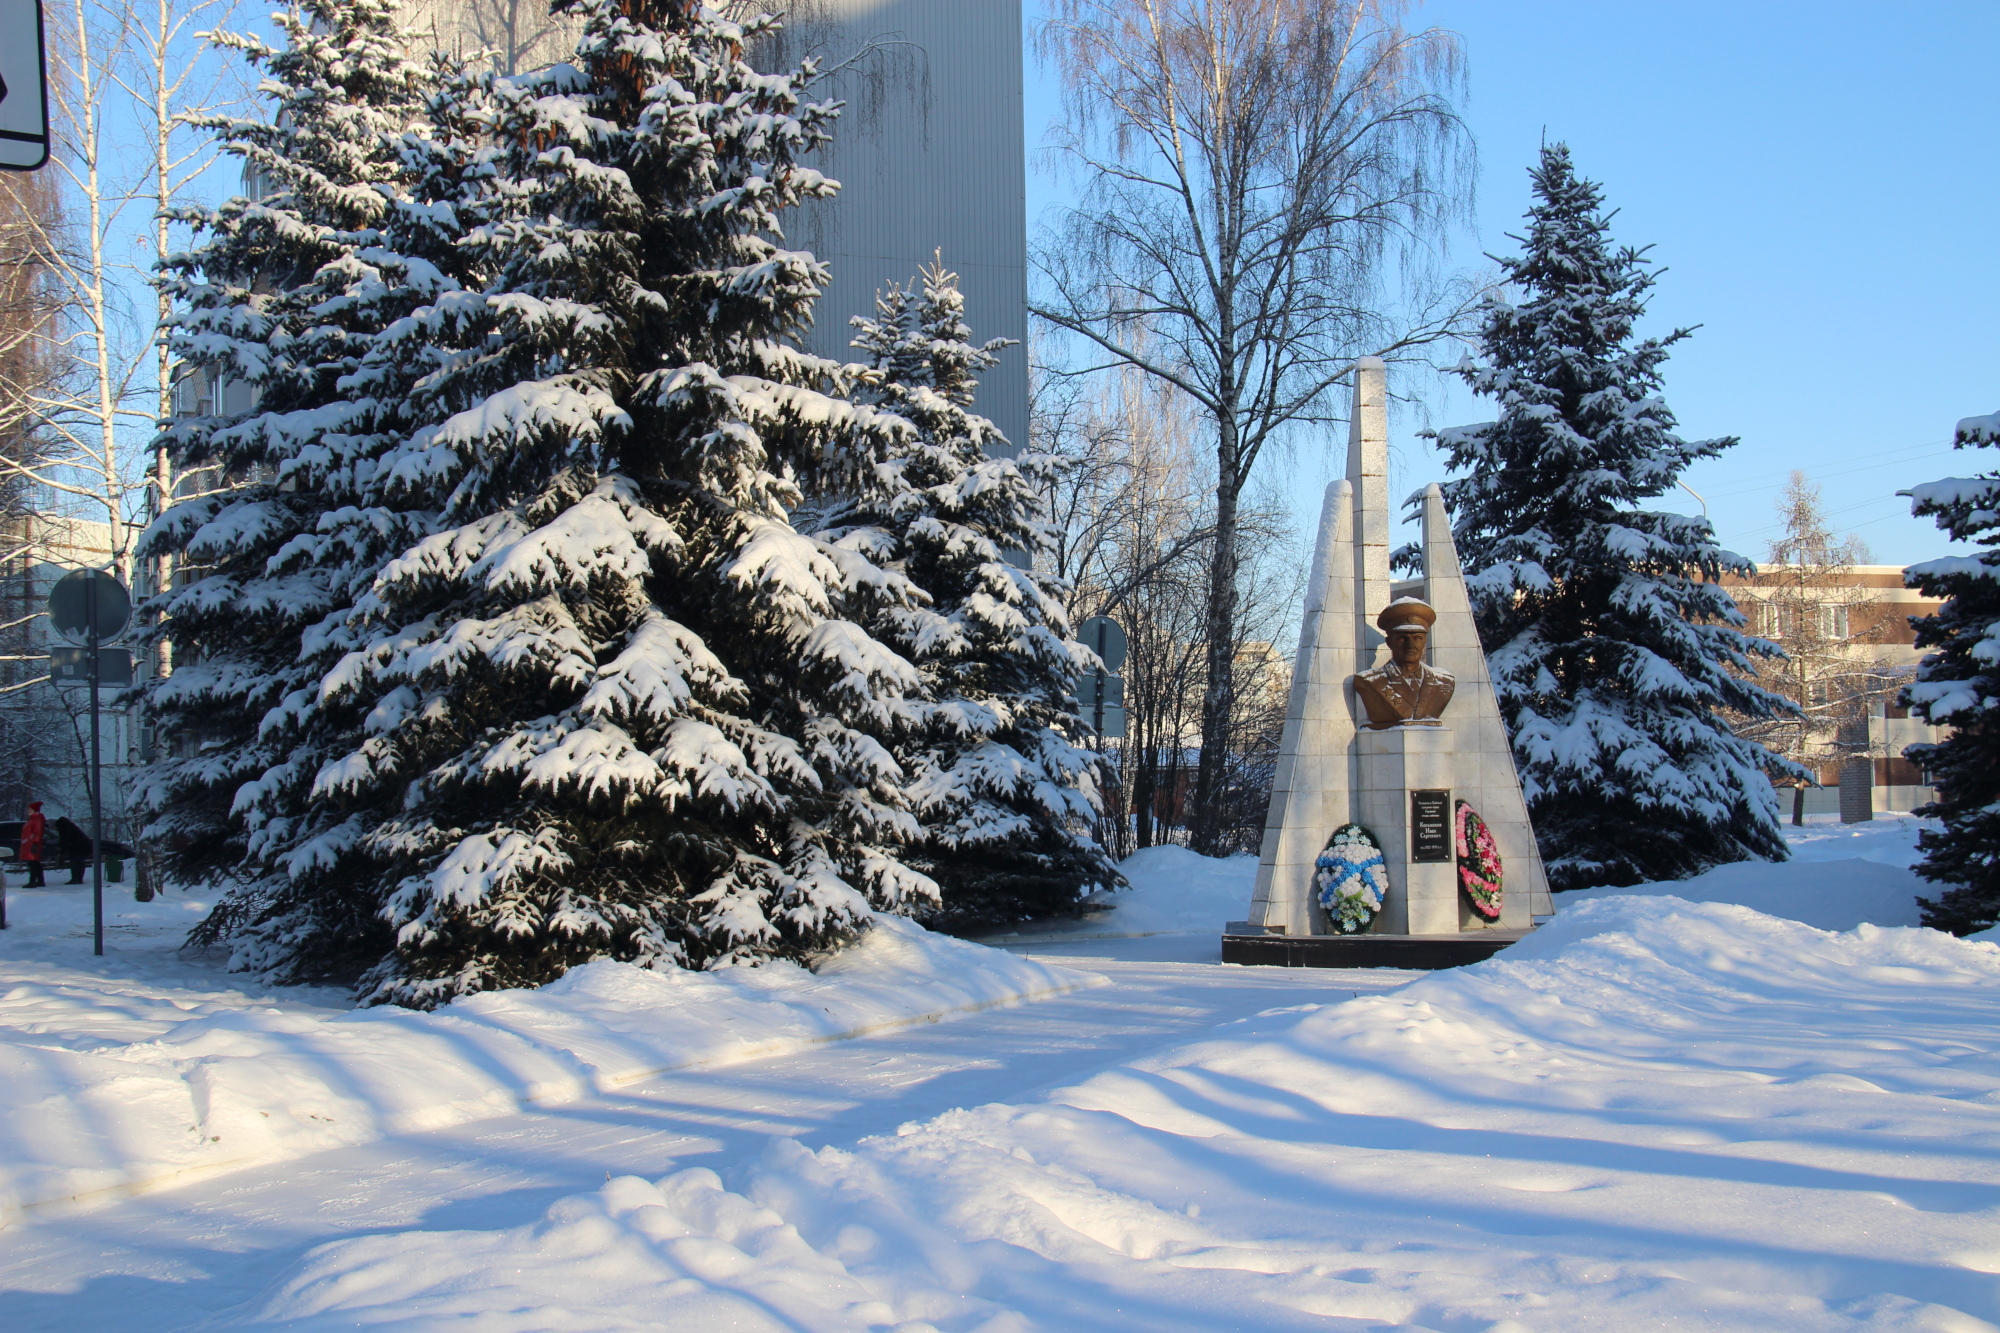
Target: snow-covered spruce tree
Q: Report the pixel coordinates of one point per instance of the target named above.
(620, 706)
(1958, 687)
(296, 916)
(1004, 798)
(268, 297)
(1613, 648)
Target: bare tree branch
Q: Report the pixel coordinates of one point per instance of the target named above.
(1255, 171)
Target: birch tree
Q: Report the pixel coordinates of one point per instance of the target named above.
(1809, 601)
(90, 410)
(31, 310)
(174, 85)
(1257, 174)
(84, 378)
(127, 81)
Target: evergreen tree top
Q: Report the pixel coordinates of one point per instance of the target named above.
(342, 75)
(1584, 433)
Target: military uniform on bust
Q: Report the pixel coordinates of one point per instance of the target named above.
(1404, 691)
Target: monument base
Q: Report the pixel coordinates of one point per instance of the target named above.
(1254, 948)
(1398, 764)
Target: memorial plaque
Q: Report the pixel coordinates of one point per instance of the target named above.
(1430, 826)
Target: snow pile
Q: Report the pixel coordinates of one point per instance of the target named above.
(682, 1254)
(1178, 891)
(1173, 891)
(106, 1085)
(1840, 876)
(1654, 1114)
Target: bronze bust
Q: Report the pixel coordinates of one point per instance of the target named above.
(1404, 692)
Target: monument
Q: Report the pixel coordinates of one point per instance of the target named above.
(1405, 755)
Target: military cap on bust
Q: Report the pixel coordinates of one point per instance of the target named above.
(1404, 611)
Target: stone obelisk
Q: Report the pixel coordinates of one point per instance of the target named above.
(1368, 469)
(1309, 793)
(1482, 760)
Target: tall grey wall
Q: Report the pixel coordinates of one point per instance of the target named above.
(930, 155)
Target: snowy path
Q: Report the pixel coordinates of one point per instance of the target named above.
(182, 1256)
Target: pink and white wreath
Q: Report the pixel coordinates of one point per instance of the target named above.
(1478, 861)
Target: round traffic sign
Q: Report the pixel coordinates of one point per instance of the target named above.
(84, 595)
(1102, 635)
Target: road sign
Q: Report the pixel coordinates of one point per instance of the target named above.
(24, 87)
(1093, 690)
(91, 605)
(81, 592)
(1103, 636)
(71, 666)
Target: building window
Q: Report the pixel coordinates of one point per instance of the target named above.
(1899, 772)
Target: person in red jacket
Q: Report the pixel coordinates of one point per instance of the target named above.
(33, 833)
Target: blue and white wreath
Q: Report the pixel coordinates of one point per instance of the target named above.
(1350, 878)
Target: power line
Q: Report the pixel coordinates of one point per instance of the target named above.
(1896, 461)
(1861, 504)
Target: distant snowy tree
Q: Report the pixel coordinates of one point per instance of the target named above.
(1003, 796)
(275, 295)
(1958, 687)
(619, 706)
(1611, 643)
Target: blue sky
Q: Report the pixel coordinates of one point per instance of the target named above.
(1819, 180)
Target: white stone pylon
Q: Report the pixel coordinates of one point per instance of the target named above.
(1482, 762)
(1310, 792)
(1368, 469)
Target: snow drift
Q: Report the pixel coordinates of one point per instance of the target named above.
(1656, 1114)
(1840, 876)
(105, 1089)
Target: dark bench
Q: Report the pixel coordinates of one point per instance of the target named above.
(65, 844)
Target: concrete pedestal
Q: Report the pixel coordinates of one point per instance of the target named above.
(1251, 947)
(1423, 894)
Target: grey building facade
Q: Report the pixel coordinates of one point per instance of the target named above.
(931, 157)
(930, 151)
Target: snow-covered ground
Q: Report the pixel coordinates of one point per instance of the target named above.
(1663, 1111)
(200, 1254)
(1656, 1115)
(140, 1068)
(1840, 875)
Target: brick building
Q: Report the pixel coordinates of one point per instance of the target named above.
(1864, 615)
